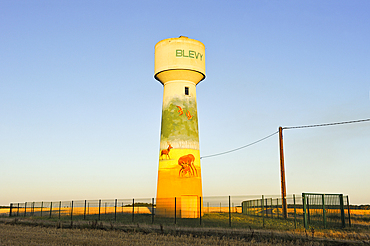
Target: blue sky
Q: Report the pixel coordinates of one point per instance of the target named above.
(80, 111)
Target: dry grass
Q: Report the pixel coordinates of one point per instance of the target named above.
(26, 235)
(31, 232)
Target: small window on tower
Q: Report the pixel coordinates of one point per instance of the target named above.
(187, 91)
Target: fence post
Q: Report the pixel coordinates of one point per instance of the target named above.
(60, 205)
(133, 210)
(25, 209)
(18, 210)
(263, 210)
(304, 211)
(342, 210)
(71, 211)
(51, 209)
(175, 210)
(349, 212)
(308, 210)
(272, 209)
(33, 208)
(295, 213)
(42, 204)
(200, 210)
(277, 207)
(229, 212)
(152, 210)
(10, 209)
(115, 210)
(266, 208)
(99, 209)
(323, 210)
(85, 210)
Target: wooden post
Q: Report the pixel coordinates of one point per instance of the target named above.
(282, 173)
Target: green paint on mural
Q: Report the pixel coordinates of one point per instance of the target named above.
(180, 121)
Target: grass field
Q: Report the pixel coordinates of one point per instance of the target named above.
(269, 230)
(40, 232)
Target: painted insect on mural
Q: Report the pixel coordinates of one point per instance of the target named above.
(187, 166)
(166, 152)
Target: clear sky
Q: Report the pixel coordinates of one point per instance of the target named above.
(80, 111)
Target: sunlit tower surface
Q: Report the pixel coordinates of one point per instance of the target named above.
(179, 64)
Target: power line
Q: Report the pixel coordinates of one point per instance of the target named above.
(327, 124)
(222, 153)
(286, 128)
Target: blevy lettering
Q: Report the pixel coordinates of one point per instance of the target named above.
(191, 54)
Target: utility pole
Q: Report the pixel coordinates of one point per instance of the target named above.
(282, 173)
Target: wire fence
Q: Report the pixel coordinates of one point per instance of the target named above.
(219, 211)
(326, 210)
(308, 211)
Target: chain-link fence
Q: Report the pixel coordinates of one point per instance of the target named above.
(218, 211)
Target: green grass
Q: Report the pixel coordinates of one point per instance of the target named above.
(217, 220)
(220, 220)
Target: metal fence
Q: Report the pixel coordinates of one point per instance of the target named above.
(308, 210)
(326, 210)
(220, 211)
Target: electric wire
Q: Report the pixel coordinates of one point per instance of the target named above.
(327, 124)
(242, 147)
(287, 128)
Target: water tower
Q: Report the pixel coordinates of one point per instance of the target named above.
(179, 64)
